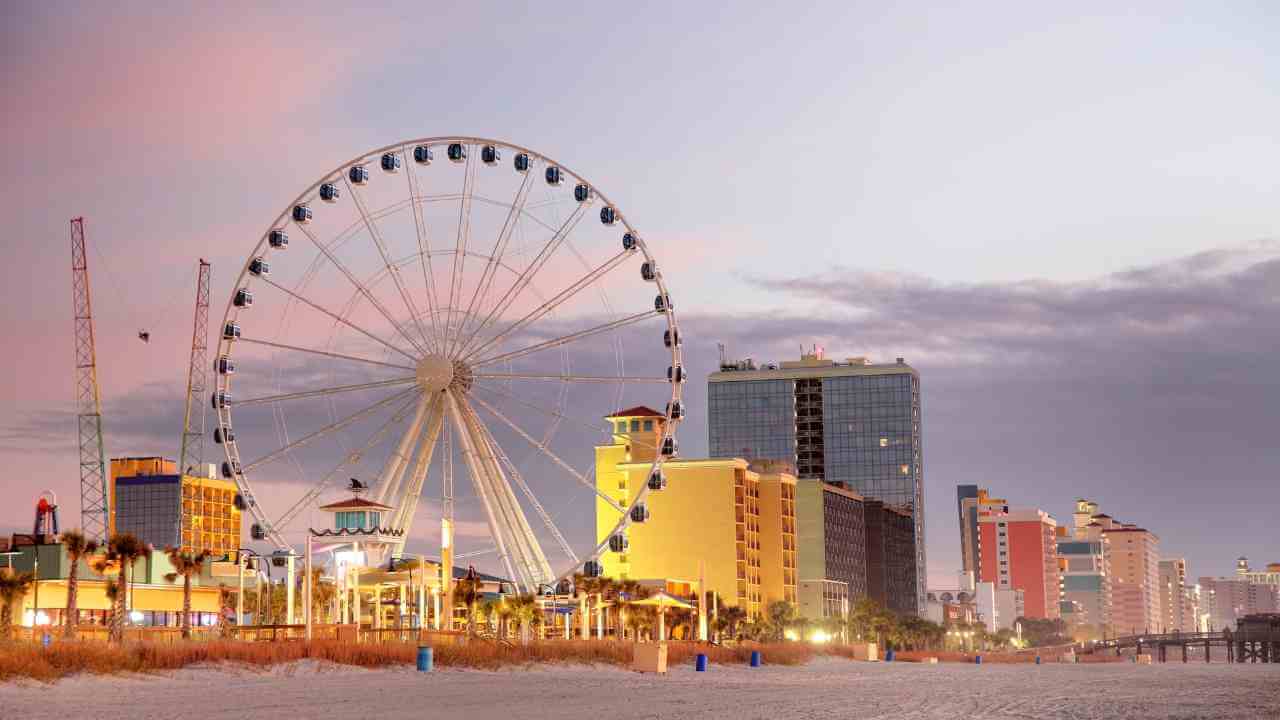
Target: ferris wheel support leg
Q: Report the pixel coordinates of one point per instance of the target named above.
(389, 481)
(508, 513)
(540, 569)
(470, 458)
(402, 519)
(498, 458)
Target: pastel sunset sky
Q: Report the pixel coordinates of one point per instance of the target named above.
(1065, 217)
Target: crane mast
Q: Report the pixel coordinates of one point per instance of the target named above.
(93, 461)
(191, 452)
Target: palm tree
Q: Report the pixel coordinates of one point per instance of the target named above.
(732, 617)
(524, 608)
(77, 546)
(184, 566)
(122, 550)
(13, 586)
(582, 587)
(781, 614)
(634, 591)
(467, 592)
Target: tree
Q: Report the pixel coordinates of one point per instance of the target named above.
(781, 614)
(13, 586)
(1038, 632)
(733, 617)
(184, 566)
(122, 550)
(77, 547)
(467, 592)
(524, 609)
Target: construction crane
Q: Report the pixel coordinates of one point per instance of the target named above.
(191, 453)
(93, 458)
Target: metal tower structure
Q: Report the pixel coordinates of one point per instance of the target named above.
(193, 425)
(93, 460)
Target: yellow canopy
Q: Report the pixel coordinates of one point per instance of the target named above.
(661, 599)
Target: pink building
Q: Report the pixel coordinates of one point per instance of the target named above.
(1133, 561)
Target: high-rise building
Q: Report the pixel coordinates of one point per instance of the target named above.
(970, 502)
(1225, 600)
(713, 514)
(1085, 599)
(1018, 550)
(1176, 612)
(831, 533)
(1133, 555)
(851, 423)
(149, 499)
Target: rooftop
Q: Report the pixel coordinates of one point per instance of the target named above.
(808, 366)
(356, 503)
(637, 411)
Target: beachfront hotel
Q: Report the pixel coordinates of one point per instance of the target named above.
(851, 423)
(718, 516)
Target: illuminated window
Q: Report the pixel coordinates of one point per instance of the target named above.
(884, 442)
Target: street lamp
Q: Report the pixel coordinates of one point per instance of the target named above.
(241, 555)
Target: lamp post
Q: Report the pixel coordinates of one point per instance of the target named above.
(242, 554)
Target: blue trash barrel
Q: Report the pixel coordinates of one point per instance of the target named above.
(1037, 659)
(977, 659)
(889, 655)
(701, 663)
(425, 658)
(755, 658)
(46, 639)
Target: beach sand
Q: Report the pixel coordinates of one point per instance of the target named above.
(825, 688)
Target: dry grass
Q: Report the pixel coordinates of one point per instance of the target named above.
(29, 660)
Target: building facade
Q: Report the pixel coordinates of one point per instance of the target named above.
(832, 535)
(1176, 613)
(713, 515)
(1133, 555)
(1225, 600)
(891, 569)
(149, 499)
(1019, 551)
(970, 502)
(851, 423)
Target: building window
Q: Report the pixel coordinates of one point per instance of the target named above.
(622, 426)
(648, 426)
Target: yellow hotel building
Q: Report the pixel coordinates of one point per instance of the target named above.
(151, 500)
(739, 522)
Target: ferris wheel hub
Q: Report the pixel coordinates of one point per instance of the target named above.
(435, 373)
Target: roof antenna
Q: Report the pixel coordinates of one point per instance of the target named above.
(721, 346)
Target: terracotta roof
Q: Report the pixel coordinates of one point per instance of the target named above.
(1102, 515)
(638, 411)
(356, 503)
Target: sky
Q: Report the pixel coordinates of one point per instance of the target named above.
(1064, 217)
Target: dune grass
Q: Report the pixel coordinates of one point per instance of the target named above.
(59, 660)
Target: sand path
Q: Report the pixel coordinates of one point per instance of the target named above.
(827, 688)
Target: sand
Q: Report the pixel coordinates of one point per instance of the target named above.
(825, 688)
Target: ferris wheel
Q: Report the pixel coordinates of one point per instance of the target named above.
(441, 307)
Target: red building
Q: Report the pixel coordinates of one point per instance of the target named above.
(1018, 551)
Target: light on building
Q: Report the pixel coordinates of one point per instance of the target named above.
(819, 637)
(135, 616)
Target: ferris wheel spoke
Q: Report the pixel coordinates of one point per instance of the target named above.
(407, 507)
(350, 459)
(360, 287)
(376, 235)
(500, 247)
(320, 392)
(333, 427)
(534, 266)
(573, 378)
(559, 416)
(325, 353)
(424, 248)
(460, 246)
(514, 472)
(337, 317)
(560, 298)
(566, 339)
(542, 447)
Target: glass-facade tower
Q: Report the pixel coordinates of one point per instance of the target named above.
(850, 423)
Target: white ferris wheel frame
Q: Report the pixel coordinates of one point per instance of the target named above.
(450, 415)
